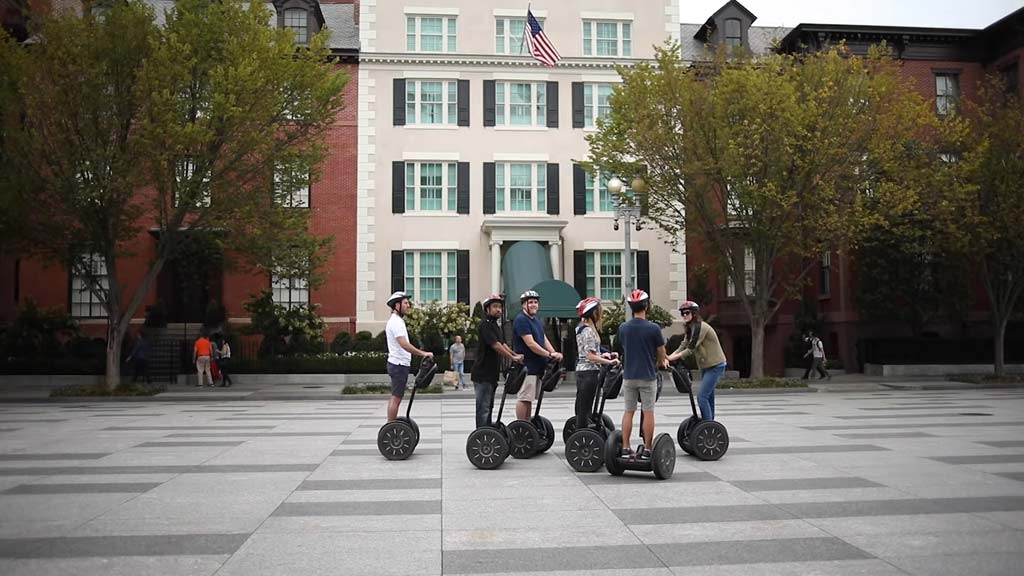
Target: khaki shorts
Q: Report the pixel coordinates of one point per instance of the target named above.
(528, 393)
(647, 390)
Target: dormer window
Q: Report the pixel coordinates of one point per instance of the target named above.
(297, 20)
(302, 17)
(733, 33)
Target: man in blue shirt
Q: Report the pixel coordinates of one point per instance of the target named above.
(528, 340)
(643, 348)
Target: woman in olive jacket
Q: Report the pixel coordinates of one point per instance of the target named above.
(700, 342)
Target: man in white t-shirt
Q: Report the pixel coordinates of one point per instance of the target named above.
(400, 350)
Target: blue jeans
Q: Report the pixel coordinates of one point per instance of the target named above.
(484, 402)
(706, 395)
(458, 369)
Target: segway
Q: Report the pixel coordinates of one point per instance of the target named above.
(663, 452)
(584, 448)
(488, 446)
(397, 439)
(531, 437)
(706, 439)
(595, 417)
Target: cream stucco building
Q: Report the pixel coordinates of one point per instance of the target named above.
(467, 147)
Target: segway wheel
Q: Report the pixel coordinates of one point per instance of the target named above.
(486, 448)
(396, 440)
(612, 448)
(709, 440)
(609, 425)
(684, 434)
(415, 429)
(523, 439)
(568, 429)
(585, 451)
(663, 457)
(503, 430)
(547, 433)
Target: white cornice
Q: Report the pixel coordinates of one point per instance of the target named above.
(467, 60)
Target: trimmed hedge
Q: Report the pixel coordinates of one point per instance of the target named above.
(747, 383)
(365, 363)
(53, 366)
(99, 390)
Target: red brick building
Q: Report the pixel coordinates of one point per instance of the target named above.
(946, 65)
(331, 201)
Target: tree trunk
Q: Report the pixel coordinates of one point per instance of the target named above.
(998, 342)
(114, 338)
(757, 347)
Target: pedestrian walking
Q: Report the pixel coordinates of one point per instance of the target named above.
(457, 356)
(202, 353)
(700, 342)
(491, 348)
(139, 357)
(816, 352)
(223, 352)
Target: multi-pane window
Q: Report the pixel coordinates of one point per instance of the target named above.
(291, 189)
(826, 274)
(431, 186)
(520, 187)
(749, 272)
(289, 292)
(596, 102)
(89, 281)
(607, 38)
(509, 35)
(297, 20)
(183, 179)
(431, 276)
(604, 274)
(598, 198)
(430, 102)
(520, 104)
(733, 33)
(732, 202)
(430, 33)
(947, 93)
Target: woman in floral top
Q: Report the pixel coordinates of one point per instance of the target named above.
(589, 358)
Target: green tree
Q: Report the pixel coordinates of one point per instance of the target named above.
(770, 160)
(113, 126)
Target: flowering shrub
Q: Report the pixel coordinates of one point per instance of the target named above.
(434, 326)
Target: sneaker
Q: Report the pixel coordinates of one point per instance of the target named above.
(627, 453)
(645, 454)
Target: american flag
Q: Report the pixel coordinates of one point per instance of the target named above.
(541, 48)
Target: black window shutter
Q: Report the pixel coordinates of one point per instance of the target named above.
(399, 111)
(488, 187)
(577, 104)
(462, 201)
(552, 96)
(462, 276)
(579, 272)
(463, 104)
(643, 270)
(398, 187)
(397, 270)
(553, 189)
(579, 190)
(488, 102)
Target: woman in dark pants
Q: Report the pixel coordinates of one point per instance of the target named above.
(589, 358)
(223, 354)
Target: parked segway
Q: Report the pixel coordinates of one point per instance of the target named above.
(584, 448)
(531, 437)
(397, 439)
(706, 439)
(663, 452)
(488, 446)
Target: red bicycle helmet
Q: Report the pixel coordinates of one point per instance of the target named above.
(586, 305)
(638, 296)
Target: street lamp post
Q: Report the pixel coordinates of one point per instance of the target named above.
(628, 211)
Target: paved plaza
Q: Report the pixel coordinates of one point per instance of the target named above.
(868, 482)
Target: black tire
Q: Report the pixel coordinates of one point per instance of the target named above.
(524, 440)
(612, 449)
(585, 451)
(396, 440)
(546, 430)
(663, 457)
(685, 430)
(609, 424)
(568, 429)
(709, 440)
(415, 429)
(486, 448)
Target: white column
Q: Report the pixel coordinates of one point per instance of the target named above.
(555, 249)
(496, 267)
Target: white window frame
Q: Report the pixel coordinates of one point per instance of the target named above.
(594, 197)
(594, 277)
(84, 302)
(947, 102)
(503, 104)
(508, 35)
(592, 103)
(623, 45)
(298, 197)
(725, 34)
(449, 39)
(449, 102)
(304, 29)
(289, 292)
(449, 275)
(183, 172)
(749, 275)
(449, 187)
(503, 188)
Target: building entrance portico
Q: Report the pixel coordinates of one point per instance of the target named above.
(504, 232)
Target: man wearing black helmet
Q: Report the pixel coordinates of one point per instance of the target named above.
(400, 350)
(528, 340)
(643, 350)
(487, 367)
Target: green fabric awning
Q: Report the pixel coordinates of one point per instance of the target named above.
(525, 265)
(557, 299)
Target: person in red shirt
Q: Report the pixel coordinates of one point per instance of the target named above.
(201, 353)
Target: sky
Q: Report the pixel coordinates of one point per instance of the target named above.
(922, 13)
